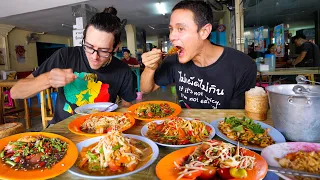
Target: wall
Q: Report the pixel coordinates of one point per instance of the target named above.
(226, 21)
(153, 40)
(294, 30)
(18, 37)
(131, 38)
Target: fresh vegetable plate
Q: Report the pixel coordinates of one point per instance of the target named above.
(78, 172)
(144, 131)
(60, 167)
(75, 125)
(96, 108)
(166, 168)
(273, 133)
(133, 110)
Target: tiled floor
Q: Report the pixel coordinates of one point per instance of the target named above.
(163, 93)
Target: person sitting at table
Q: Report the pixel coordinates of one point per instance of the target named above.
(206, 75)
(85, 74)
(310, 55)
(131, 61)
(280, 62)
(271, 49)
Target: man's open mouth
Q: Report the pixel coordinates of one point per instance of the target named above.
(180, 51)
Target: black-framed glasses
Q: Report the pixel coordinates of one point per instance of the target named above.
(101, 53)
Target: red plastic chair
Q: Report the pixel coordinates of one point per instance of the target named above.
(10, 102)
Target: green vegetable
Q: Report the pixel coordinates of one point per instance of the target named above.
(57, 147)
(116, 147)
(43, 157)
(205, 132)
(92, 156)
(238, 128)
(10, 163)
(16, 154)
(245, 123)
(2, 154)
(96, 168)
(141, 144)
(25, 151)
(64, 145)
(101, 150)
(170, 137)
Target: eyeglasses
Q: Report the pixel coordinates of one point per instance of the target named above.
(101, 53)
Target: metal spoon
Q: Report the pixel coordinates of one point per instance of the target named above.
(105, 109)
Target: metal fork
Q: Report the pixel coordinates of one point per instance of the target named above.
(292, 172)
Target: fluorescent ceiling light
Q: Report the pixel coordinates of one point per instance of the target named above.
(151, 27)
(161, 8)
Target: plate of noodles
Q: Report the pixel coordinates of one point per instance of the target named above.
(36, 155)
(212, 160)
(154, 110)
(303, 156)
(251, 134)
(114, 155)
(100, 123)
(96, 108)
(178, 132)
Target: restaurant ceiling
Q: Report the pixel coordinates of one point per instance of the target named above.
(142, 13)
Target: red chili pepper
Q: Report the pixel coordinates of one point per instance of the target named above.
(224, 173)
(208, 128)
(41, 164)
(17, 159)
(186, 141)
(200, 158)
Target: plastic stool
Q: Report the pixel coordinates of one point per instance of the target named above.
(10, 101)
(173, 90)
(53, 97)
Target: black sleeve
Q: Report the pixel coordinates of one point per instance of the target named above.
(307, 47)
(127, 91)
(56, 60)
(165, 73)
(243, 84)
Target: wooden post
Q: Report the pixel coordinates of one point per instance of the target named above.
(239, 24)
(43, 109)
(48, 92)
(27, 116)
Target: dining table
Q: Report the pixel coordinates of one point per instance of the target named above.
(149, 173)
(9, 84)
(306, 71)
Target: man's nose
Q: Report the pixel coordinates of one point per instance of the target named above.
(95, 55)
(173, 36)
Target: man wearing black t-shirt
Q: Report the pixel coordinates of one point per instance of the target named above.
(207, 76)
(86, 74)
(309, 56)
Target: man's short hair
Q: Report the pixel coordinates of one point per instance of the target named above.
(106, 21)
(127, 50)
(298, 36)
(202, 12)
